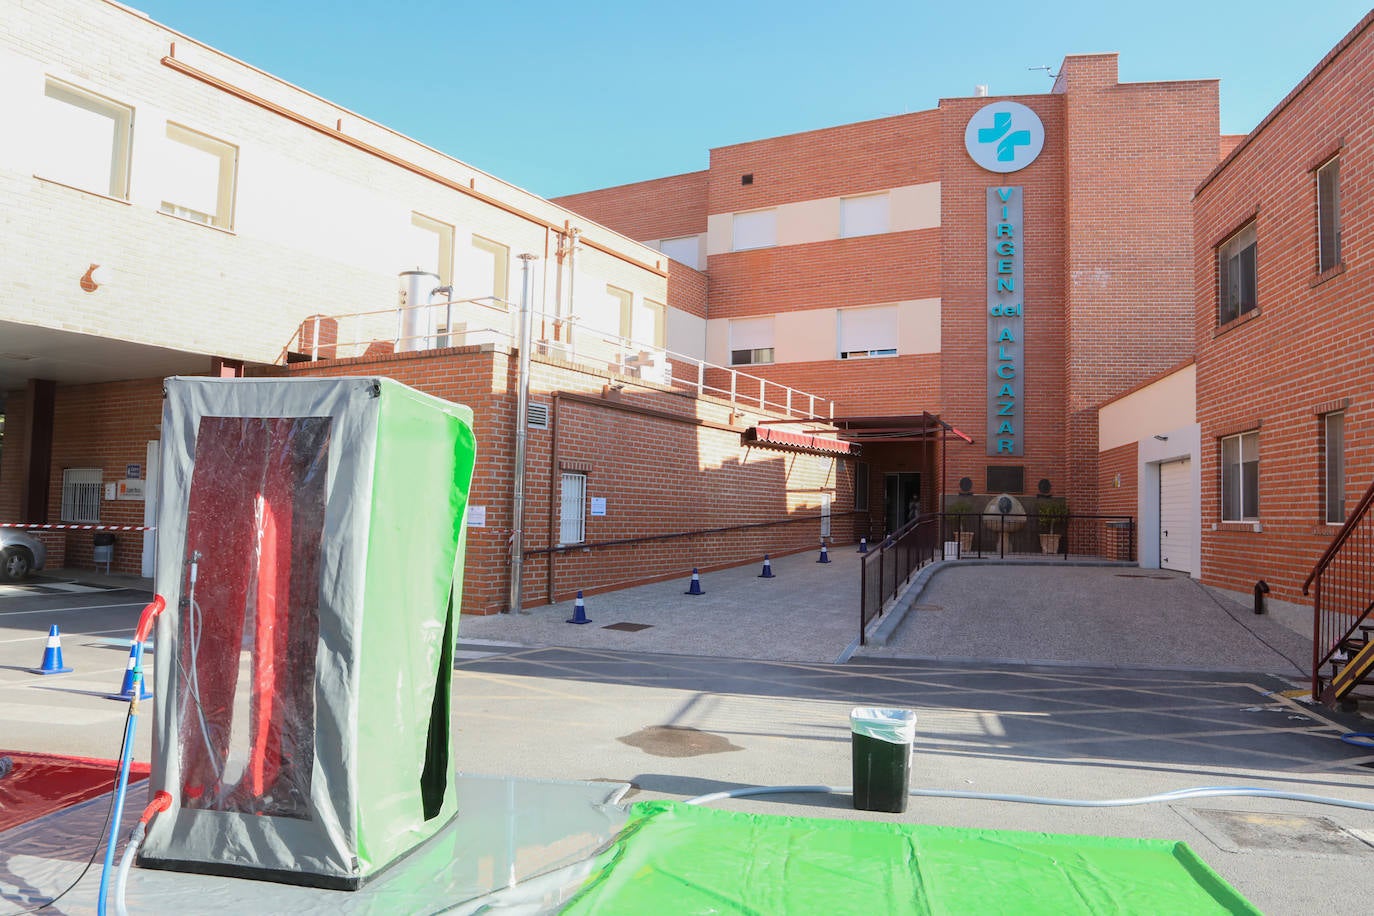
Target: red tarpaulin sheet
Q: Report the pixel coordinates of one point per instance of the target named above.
(40, 784)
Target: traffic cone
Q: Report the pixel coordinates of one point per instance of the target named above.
(126, 690)
(863, 545)
(767, 569)
(695, 588)
(579, 610)
(52, 655)
(825, 556)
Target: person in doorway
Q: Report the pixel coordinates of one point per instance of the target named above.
(913, 508)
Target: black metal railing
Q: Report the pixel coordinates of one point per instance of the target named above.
(886, 569)
(1342, 586)
(889, 566)
(981, 535)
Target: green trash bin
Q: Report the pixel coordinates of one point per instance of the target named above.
(881, 746)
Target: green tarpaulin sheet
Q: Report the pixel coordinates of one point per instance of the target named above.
(676, 858)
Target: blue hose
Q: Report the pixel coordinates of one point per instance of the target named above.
(122, 787)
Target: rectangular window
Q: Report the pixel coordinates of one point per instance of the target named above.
(1240, 477)
(649, 326)
(867, 332)
(1329, 215)
(81, 495)
(572, 505)
(86, 140)
(863, 215)
(198, 177)
(860, 486)
(429, 247)
(685, 250)
(756, 229)
(488, 274)
(1236, 277)
(751, 341)
(1333, 459)
(620, 303)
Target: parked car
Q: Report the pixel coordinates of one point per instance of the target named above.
(20, 554)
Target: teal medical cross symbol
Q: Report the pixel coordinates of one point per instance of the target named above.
(1001, 123)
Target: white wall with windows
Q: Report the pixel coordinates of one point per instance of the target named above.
(814, 335)
(824, 219)
(220, 223)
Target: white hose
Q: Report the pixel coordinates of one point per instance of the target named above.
(1194, 792)
(126, 863)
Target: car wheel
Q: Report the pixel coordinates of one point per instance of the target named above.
(15, 564)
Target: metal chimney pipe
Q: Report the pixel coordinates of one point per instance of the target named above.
(522, 407)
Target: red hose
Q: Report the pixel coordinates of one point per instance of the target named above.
(145, 620)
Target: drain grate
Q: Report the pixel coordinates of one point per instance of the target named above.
(628, 627)
(1265, 831)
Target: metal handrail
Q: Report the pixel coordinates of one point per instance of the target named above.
(735, 386)
(1349, 561)
(645, 539)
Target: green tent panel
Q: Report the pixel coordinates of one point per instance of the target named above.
(673, 858)
(310, 549)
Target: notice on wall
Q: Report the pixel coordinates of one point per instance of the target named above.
(1006, 325)
(129, 489)
(598, 505)
(133, 471)
(477, 516)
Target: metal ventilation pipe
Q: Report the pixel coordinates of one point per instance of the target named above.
(522, 407)
(1261, 589)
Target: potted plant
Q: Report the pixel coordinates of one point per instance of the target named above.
(1052, 512)
(961, 512)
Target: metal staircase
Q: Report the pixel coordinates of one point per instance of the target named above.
(1342, 590)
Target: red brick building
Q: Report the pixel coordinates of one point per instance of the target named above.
(1282, 323)
(1107, 293)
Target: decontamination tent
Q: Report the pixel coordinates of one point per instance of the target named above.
(311, 536)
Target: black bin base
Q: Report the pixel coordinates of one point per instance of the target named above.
(882, 774)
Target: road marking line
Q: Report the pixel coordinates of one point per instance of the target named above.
(58, 610)
(68, 635)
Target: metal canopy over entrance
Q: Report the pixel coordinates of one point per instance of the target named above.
(921, 427)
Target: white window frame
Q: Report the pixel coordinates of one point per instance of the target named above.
(751, 341)
(1333, 467)
(225, 179)
(1236, 479)
(1231, 270)
(56, 91)
(572, 515)
(624, 307)
(81, 495)
(754, 229)
(443, 241)
(869, 214)
(500, 279)
(1329, 216)
(688, 245)
(859, 345)
(659, 311)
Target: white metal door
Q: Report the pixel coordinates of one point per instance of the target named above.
(1177, 543)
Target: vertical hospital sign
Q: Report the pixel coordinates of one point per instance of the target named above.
(1006, 323)
(1005, 137)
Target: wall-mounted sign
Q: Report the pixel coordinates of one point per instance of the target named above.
(598, 505)
(1004, 136)
(129, 489)
(1006, 324)
(132, 471)
(477, 516)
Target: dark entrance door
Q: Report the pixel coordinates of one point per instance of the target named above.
(898, 492)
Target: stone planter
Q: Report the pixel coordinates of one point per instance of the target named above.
(1049, 543)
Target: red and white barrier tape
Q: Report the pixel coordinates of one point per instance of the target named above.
(78, 527)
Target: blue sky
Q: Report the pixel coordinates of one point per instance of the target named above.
(565, 97)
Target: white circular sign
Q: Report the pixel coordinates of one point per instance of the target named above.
(1004, 137)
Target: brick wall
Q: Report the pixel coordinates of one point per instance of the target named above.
(666, 463)
(1305, 349)
(850, 159)
(664, 208)
(1118, 483)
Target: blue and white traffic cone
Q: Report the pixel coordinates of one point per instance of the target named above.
(126, 690)
(695, 588)
(825, 555)
(579, 610)
(767, 569)
(863, 545)
(52, 655)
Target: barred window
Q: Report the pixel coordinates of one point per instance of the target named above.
(81, 495)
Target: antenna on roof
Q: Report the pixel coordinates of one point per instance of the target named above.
(1049, 71)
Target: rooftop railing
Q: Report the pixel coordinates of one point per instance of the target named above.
(492, 321)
